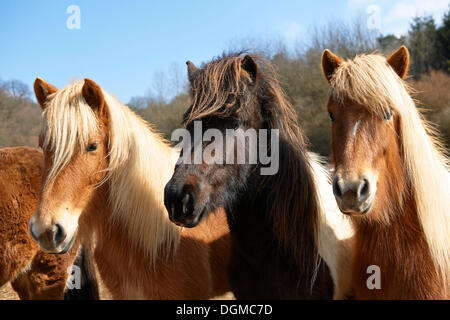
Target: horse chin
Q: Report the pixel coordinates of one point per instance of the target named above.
(190, 224)
(194, 220)
(69, 244)
(360, 212)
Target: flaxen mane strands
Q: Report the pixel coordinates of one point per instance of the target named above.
(68, 124)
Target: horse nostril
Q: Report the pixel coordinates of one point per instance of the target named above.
(187, 203)
(337, 188)
(59, 234)
(363, 190)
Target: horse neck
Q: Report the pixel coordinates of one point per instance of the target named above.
(400, 250)
(290, 202)
(136, 192)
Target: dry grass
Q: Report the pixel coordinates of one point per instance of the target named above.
(433, 95)
(7, 293)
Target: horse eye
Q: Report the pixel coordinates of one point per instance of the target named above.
(331, 116)
(388, 115)
(92, 147)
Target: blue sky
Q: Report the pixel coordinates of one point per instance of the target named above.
(122, 44)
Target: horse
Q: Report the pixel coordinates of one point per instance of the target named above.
(33, 274)
(391, 178)
(279, 222)
(104, 177)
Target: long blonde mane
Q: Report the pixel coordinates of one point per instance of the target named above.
(372, 83)
(140, 164)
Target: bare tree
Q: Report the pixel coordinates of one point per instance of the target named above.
(138, 103)
(177, 79)
(15, 88)
(159, 87)
(342, 37)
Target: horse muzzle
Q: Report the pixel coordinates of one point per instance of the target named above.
(353, 196)
(182, 206)
(52, 238)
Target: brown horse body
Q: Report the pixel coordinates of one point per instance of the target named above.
(111, 190)
(402, 254)
(32, 273)
(196, 271)
(390, 178)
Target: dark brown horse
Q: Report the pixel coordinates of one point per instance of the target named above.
(276, 219)
(33, 274)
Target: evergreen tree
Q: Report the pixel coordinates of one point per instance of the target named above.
(389, 43)
(422, 45)
(443, 43)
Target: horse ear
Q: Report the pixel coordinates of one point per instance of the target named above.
(399, 61)
(249, 65)
(42, 90)
(330, 62)
(192, 70)
(93, 95)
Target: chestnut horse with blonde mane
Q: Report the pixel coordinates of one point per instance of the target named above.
(33, 274)
(391, 177)
(104, 177)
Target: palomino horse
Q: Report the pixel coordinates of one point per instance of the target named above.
(391, 177)
(278, 222)
(33, 274)
(104, 178)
